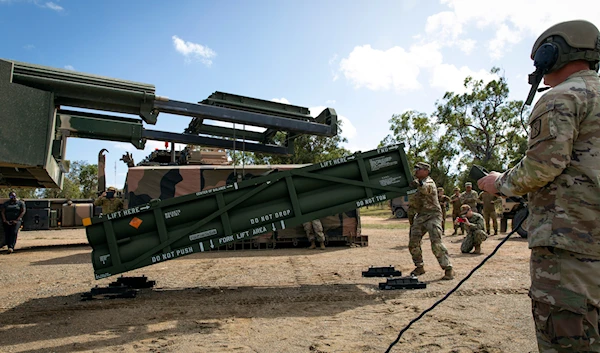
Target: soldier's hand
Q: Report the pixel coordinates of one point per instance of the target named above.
(416, 183)
(488, 183)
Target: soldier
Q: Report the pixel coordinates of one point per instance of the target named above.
(109, 202)
(12, 212)
(560, 173)
(473, 222)
(428, 219)
(469, 196)
(444, 204)
(455, 200)
(314, 227)
(489, 210)
(411, 210)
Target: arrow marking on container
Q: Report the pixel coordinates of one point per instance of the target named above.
(282, 224)
(201, 246)
(144, 208)
(273, 225)
(211, 244)
(235, 185)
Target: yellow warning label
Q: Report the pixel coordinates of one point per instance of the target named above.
(87, 221)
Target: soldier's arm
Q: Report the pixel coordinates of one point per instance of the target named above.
(552, 127)
(98, 201)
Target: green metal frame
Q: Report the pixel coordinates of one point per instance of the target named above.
(375, 192)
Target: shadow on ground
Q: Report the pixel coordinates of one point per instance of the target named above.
(115, 322)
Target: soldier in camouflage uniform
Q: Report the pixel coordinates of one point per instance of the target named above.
(444, 204)
(428, 219)
(561, 175)
(314, 227)
(109, 202)
(411, 210)
(469, 196)
(489, 210)
(473, 222)
(455, 201)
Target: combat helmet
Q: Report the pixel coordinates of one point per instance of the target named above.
(565, 42)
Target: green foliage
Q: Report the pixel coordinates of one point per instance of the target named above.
(418, 133)
(22, 193)
(307, 149)
(480, 126)
(81, 182)
(482, 121)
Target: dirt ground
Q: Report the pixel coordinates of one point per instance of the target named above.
(282, 300)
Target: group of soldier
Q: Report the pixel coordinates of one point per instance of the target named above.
(560, 173)
(427, 214)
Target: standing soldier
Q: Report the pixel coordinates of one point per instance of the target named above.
(455, 201)
(109, 202)
(560, 173)
(489, 210)
(428, 219)
(312, 228)
(469, 196)
(444, 204)
(411, 210)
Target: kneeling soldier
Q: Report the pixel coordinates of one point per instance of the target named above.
(475, 228)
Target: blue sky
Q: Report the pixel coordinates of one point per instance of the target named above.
(367, 59)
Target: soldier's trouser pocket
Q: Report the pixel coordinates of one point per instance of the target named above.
(562, 330)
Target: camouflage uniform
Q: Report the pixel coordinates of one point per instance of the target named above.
(489, 210)
(561, 174)
(428, 219)
(475, 233)
(444, 201)
(470, 198)
(314, 227)
(411, 210)
(109, 205)
(455, 201)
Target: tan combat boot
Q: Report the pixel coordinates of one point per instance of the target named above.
(419, 270)
(477, 250)
(322, 245)
(448, 274)
(312, 245)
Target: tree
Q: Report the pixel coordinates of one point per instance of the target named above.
(423, 141)
(483, 122)
(22, 193)
(80, 182)
(307, 149)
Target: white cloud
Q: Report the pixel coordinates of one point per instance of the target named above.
(69, 67)
(394, 68)
(280, 100)
(450, 78)
(466, 45)
(192, 50)
(53, 6)
(28, 46)
(330, 101)
(348, 130)
(511, 21)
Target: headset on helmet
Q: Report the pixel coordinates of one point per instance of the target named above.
(561, 44)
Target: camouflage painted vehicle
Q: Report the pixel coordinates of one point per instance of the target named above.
(146, 183)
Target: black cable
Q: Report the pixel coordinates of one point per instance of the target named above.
(455, 288)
